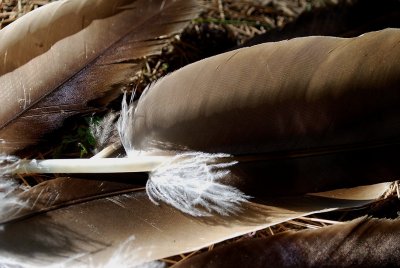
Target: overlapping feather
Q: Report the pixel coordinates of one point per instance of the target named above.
(364, 242)
(61, 59)
(79, 221)
(295, 112)
(85, 221)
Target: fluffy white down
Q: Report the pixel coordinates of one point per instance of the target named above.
(105, 131)
(9, 202)
(190, 183)
(125, 125)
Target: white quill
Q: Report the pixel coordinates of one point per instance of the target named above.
(190, 182)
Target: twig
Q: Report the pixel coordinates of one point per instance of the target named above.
(221, 9)
(106, 152)
(320, 220)
(310, 226)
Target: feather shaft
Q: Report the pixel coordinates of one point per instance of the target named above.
(191, 182)
(100, 165)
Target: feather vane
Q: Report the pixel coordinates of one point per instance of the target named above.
(73, 54)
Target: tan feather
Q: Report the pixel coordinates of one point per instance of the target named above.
(363, 242)
(84, 222)
(57, 59)
(315, 113)
(297, 95)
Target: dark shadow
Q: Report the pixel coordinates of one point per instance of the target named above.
(44, 240)
(320, 171)
(347, 19)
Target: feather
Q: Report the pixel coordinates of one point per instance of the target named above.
(84, 222)
(190, 182)
(297, 95)
(298, 131)
(104, 132)
(61, 59)
(10, 202)
(364, 242)
(276, 127)
(295, 112)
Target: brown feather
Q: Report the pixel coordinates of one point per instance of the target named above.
(363, 242)
(57, 59)
(347, 18)
(315, 113)
(86, 221)
(301, 94)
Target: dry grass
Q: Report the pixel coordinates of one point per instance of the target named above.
(224, 25)
(10, 10)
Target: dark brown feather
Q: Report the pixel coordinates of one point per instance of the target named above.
(313, 113)
(61, 57)
(84, 222)
(364, 242)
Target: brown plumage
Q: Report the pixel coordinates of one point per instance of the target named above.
(63, 58)
(298, 95)
(291, 112)
(363, 242)
(90, 222)
(315, 113)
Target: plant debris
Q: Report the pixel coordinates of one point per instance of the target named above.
(10, 10)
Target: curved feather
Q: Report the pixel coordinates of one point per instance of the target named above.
(84, 222)
(303, 94)
(315, 113)
(364, 242)
(57, 59)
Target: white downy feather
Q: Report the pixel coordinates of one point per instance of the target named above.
(125, 125)
(9, 202)
(189, 182)
(104, 131)
(8, 164)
